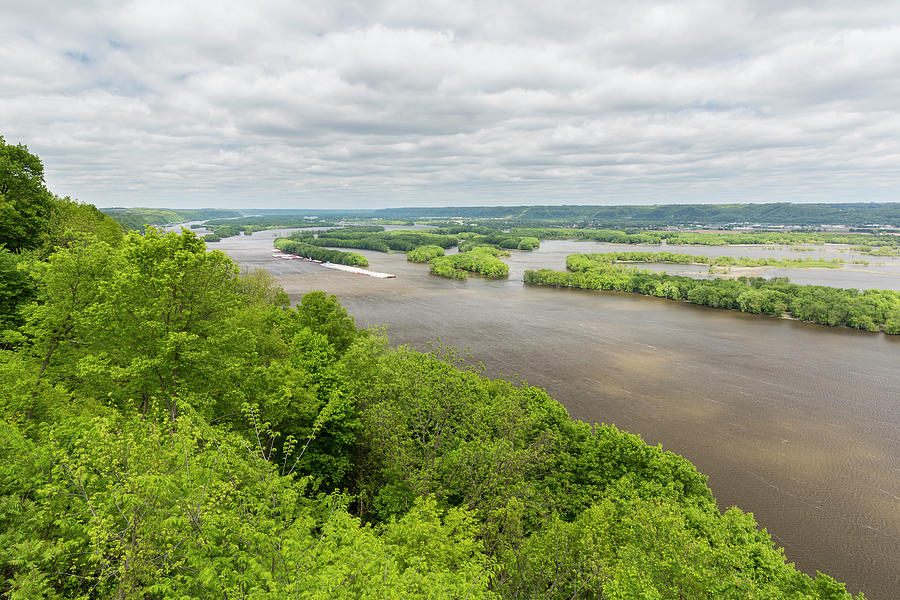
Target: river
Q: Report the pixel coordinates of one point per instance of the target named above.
(798, 424)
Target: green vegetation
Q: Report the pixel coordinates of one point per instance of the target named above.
(224, 228)
(853, 214)
(871, 310)
(171, 428)
(612, 236)
(720, 261)
(383, 241)
(33, 224)
(324, 254)
(880, 251)
(174, 430)
(26, 205)
(786, 238)
(423, 254)
(139, 218)
(528, 243)
(675, 238)
(504, 241)
(481, 260)
(16, 290)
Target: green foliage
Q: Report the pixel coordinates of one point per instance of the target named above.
(722, 215)
(446, 269)
(724, 261)
(227, 227)
(171, 428)
(16, 289)
(25, 204)
(321, 254)
(362, 237)
(323, 314)
(138, 218)
(73, 220)
(870, 310)
(481, 260)
(423, 254)
(528, 243)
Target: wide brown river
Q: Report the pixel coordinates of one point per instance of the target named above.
(798, 424)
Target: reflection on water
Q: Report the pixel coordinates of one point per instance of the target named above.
(797, 423)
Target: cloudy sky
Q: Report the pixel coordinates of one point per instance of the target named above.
(334, 104)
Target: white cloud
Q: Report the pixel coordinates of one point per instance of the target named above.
(390, 103)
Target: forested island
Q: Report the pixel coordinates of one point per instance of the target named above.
(173, 428)
(321, 254)
(870, 310)
(719, 261)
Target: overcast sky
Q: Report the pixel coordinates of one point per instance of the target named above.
(370, 104)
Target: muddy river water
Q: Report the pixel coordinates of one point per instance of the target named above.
(798, 424)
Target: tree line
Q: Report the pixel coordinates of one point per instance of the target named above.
(384, 241)
(870, 310)
(138, 218)
(718, 261)
(424, 254)
(676, 238)
(310, 251)
(482, 260)
(778, 214)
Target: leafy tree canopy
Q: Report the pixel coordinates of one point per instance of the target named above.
(25, 204)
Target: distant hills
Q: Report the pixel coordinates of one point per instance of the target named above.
(660, 215)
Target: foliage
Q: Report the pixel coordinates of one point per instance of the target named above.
(172, 428)
(676, 238)
(424, 253)
(871, 310)
(322, 254)
(528, 243)
(16, 289)
(357, 237)
(227, 227)
(725, 261)
(71, 220)
(25, 204)
(479, 260)
(721, 215)
(139, 218)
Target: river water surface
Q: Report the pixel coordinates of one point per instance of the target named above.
(798, 424)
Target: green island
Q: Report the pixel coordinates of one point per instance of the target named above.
(476, 255)
(870, 310)
(424, 254)
(225, 228)
(719, 261)
(323, 254)
(173, 428)
(375, 238)
(480, 259)
(676, 238)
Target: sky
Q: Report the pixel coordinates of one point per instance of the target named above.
(330, 104)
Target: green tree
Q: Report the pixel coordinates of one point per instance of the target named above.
(25, 204)
(324, 314)
(16, 289)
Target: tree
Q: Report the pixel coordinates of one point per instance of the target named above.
(324, 314)
(25, 203)
(15, 290)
